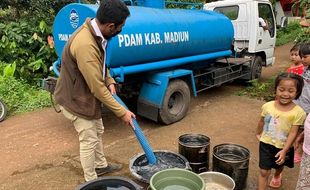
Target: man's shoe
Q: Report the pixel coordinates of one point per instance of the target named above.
(112, 167)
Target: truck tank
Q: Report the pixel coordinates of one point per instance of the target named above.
(153, 38)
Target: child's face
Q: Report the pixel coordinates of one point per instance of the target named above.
(294, 56)
(306, 60)
(286, 91)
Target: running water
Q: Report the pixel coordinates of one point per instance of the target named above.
(165, 160)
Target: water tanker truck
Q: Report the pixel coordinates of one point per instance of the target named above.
(162, 56)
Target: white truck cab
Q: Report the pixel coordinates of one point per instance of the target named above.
(250, 38)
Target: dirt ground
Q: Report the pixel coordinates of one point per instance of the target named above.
(39, 150)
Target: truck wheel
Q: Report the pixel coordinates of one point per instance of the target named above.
(3, 111)
(256, 69)
(176, 102)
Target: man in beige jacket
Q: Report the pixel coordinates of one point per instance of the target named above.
(85, 83)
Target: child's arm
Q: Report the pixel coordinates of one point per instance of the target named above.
(299, 140)
(260, 128)
(290, 140)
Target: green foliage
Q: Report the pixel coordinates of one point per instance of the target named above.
(9, 70)
(304, 35)
(302, 6)
(260, 90)
(289, 33)
(293, 32)
(26, 47)
(21, 97)
(185, 4)
(26, 9)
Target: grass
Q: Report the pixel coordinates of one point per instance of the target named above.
(262, 90)
(21, 97)
(288, 34)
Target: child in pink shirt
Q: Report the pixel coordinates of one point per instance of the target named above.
(298, 68)
(296, 63)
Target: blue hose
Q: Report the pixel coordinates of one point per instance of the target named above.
(140, 136)
(56, 64)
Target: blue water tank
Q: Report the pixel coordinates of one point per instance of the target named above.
(151, 35)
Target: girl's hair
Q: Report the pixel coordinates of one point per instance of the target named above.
(297, 78)
(296, 47)
(304, 49)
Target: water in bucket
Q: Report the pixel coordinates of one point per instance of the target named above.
(176, 179)
(172, 184)
(110, 183)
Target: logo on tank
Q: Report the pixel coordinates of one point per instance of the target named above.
(74, 18)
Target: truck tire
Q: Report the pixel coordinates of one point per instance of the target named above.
(176, 102)
(256, 67)
(3, 111)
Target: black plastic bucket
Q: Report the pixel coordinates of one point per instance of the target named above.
(196, 149)
(115, 183)
(141, 170)
(233, 160)
(199, 167)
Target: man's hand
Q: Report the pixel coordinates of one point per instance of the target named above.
(127, 118)
(112, 88)
(266, 27)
